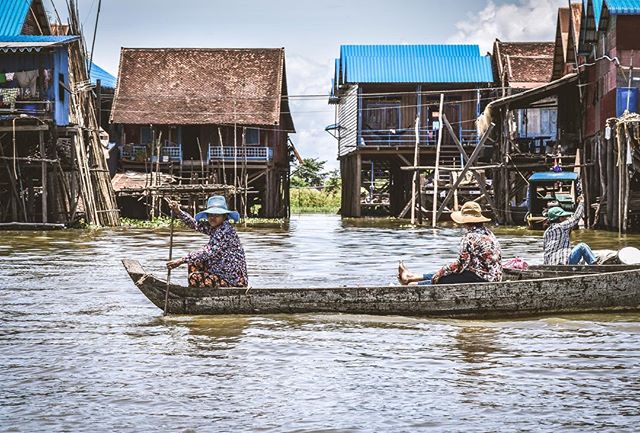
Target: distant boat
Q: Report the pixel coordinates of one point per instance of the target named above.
(614, 291)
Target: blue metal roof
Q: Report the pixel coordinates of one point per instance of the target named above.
(26, 39)
(12, 16)
(413, 64)
(106, 79)
(622, 7)
(615, 7)
(552, 176)
(409, 51)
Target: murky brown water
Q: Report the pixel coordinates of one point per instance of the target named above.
(82, 350)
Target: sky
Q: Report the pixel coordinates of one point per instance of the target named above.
(311, 31)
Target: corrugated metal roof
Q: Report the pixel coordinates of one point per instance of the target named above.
(410, 51)
(12, 16)
(413, 64)
(32, 43)
(106, 79)
(621, 7)
(615, 7)
(25, 39)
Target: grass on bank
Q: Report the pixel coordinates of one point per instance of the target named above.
(303, 200)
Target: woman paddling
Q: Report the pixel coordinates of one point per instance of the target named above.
(479, 259)
(221, 262)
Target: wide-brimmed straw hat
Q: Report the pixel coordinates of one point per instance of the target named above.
(217, 205)
(470, 213)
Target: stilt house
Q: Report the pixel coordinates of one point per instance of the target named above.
(609, 57)
(208, 116)
(38, 164)
(389, 115)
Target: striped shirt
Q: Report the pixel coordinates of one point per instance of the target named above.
(479, 253)
(557, 243)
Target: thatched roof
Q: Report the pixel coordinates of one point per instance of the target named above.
(191, 86)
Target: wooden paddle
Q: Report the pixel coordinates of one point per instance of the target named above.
(166, 294)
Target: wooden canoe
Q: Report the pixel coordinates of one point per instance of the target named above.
(552, 271)
(607, 292)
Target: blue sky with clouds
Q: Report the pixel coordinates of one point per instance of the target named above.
(311, 32)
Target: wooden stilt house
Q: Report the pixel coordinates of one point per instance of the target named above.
(51, 169)
(208, 117)
(391, 102)
(609, 59)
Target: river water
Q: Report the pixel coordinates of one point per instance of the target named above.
(81, 349)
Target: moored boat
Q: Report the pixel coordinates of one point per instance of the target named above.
(604, 292)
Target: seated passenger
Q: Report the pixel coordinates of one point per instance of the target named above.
(220, 263)
(557, 248)
(479, 259)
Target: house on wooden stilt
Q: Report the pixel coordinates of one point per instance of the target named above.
(51, 168)
(390, 97)
(609, 60)
(209, 119)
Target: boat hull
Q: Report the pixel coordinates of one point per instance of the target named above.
(606, 292)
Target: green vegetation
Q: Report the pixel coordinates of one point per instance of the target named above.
(312, 200)
(312, 190)
(165, 222)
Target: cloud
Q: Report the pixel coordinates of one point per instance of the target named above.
(522, 20)
(312, 113)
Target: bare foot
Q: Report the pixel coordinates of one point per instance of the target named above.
(403, 274)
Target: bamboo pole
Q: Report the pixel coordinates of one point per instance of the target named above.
(436, 173)
(415, 172)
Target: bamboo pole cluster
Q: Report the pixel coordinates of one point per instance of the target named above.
(96, 189)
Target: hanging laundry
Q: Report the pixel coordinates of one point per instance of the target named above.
(9, 97)
(3, 77)
(28, 80)
(9, 76)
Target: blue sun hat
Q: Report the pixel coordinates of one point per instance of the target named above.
(217, 205)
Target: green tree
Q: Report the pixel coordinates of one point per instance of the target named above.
(333, 182)
(309, 173)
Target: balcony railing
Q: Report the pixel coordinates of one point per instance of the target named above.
(407, 136)
(250, 153)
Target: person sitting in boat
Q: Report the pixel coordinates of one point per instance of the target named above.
(479, 259)
(221, 262)
(557, 245)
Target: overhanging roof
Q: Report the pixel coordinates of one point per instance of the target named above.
(524, 99)
(32, 43)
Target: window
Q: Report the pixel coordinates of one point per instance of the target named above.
(252, 137)
(382, 116)
(145, 135)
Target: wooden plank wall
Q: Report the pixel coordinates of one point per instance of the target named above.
(348, 120)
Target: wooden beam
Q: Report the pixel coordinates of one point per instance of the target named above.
(44, 180)
(22, 128)
(435, 213)
(468, 165)
(476, 176)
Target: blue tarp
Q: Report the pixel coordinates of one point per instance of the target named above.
(106, 79)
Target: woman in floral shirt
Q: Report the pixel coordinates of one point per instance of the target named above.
(479, 259)
(221, 262)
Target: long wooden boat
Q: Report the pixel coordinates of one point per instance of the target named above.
(606, 292)
(553, 271)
